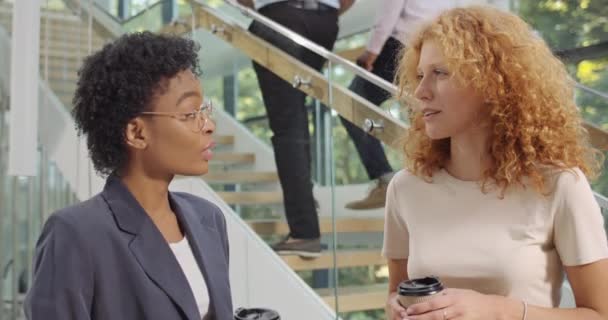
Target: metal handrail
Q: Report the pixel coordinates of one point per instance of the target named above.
(132, 17)
(102, 9)
(591, 90)
(328, 55)
(144, 11)
(602, 200)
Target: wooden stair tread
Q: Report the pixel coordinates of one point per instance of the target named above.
(344, 259)
(343, 225)
(54, 20)
(66, 54)
(7, 7)
(234, 157)
(252, 197)
(356, 298)
(59, 38)
(224, 139)
(63, 34)
(59, 75)
(237, 177)
(59, 45)
(61, 63)
(60, 87)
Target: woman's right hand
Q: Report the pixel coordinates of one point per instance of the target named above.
(394, 309)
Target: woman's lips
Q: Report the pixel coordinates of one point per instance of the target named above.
(428, 113)
(207, 152)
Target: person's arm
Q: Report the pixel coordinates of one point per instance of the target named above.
(387, 17)
(63, 275)
(589, 283)
(345, 5)
(224, 233)
(397, 272)
(590, 286)
(246, 3)
(226, 243)
(395, 247)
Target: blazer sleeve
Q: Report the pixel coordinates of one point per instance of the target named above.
(224, 232)
(62, 286)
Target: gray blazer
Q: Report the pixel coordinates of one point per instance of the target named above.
(105, 259)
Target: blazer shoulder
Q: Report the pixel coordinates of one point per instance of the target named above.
(197, 201)
(203, 208)
(85, 216)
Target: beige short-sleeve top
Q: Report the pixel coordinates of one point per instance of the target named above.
(515, 246)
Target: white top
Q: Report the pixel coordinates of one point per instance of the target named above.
(261, 3)
(401, 18)
(515, 246)
(185, 258)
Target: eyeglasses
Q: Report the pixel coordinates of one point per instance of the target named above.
(196, 120)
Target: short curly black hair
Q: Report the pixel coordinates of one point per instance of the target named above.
(118, 82)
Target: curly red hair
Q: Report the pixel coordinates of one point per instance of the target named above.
(535, 121)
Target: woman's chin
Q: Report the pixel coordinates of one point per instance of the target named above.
(198, 171)
(436, 134)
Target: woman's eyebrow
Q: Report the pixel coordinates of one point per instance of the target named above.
(187, 95)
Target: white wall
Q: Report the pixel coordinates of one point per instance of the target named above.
(245, 141)
(58, 136)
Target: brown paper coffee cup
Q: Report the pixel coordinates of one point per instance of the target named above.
(418, 290)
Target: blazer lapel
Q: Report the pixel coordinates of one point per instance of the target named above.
(206, 246)
(150, 248)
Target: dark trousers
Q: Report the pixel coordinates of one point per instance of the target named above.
(369, 148)
(287, 113)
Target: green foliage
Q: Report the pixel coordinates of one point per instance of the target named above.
(567, 24)
(365, 315)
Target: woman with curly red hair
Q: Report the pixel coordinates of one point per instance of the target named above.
(494, 199)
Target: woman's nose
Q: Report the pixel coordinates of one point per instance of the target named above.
(423, 92)
(208, 126)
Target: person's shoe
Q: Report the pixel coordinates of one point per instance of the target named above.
(376, 198)
(305, 248)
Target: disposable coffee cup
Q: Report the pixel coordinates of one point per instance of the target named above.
(256, 314)
(418, 290)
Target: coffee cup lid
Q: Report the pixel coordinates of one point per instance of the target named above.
(256, 314)
(420, 287)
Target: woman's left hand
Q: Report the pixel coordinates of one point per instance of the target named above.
(457, 304)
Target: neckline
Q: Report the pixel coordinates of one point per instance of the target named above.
(452, 179)
(179, 243)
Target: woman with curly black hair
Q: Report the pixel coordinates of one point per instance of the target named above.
(136, 250)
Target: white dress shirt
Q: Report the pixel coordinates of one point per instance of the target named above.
(401, 18)
(261, 3)
(185, 258)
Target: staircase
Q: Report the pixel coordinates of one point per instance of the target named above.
(254, 194)
(63, 45)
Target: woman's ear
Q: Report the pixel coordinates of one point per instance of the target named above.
(135, 134)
